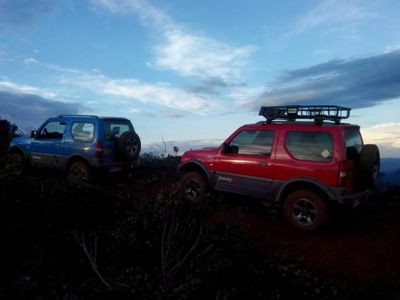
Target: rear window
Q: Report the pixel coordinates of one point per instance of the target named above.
(310, 145)
(115, 128)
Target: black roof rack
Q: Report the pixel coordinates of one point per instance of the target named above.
(318, 113)
(72, 115)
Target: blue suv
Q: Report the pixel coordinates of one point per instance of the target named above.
(80, 144)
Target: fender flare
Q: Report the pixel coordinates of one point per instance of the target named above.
(195, 163)
(18, 148)
(308, 181)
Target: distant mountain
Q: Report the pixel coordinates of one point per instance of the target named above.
(389, 165)
(392, 178)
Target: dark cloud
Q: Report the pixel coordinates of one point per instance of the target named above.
(212, 86)
(22, 13)
(361, 82)
(29, 111)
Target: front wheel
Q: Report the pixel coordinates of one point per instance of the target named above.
(79, 170)
(192, 187)
(305, 210)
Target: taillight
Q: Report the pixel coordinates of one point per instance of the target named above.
(342, 175)
(99, 149)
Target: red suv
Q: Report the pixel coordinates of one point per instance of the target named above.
(301, 157)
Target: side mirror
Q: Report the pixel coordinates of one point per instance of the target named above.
(226, 148)
(34, 134)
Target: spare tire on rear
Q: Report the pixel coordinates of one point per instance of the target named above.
(369, 165)
(129, 145)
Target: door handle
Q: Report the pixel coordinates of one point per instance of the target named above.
(264, 164)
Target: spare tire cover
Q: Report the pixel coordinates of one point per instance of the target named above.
(369, 165)
(129, 145)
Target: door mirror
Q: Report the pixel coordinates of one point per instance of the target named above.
(34, 134)
(232, 149)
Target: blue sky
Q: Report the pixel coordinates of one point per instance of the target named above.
(191, 72)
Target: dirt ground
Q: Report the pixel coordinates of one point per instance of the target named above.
(360, 247)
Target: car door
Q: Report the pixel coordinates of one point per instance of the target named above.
(47, 147)
(244, 164)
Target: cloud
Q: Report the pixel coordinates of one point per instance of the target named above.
(195, 55)
(161, 94)
(27, 110)
(156, 93)
(337, 14)
(181, 50)
(24, 13)
(386, 136)
(124, 90)
(357, 83)
(30, 61)
(26, 89)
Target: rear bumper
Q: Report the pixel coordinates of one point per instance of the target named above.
(114, 166)
(341, 196)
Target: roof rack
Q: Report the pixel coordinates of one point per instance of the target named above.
(85, 116)
(318, 113)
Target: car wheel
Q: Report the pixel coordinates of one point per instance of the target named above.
(16, 162)
(79, 170)
(129, 145)
(369, 166)
(305, 210)
(192, 187)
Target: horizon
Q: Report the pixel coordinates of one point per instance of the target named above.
(192, 73)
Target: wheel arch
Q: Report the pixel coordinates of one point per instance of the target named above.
(197, 166)
(75, 158)
(304, 184)
(17, 150)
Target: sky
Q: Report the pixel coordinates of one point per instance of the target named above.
(190, 72)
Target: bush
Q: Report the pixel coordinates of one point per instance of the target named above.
(69, 240)
(8, 130)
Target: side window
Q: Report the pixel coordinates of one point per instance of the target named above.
(253, 142)
(310, 145)
(81, 131)
(113, 129)
(52, 130)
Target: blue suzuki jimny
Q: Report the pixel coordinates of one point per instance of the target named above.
(80, 144)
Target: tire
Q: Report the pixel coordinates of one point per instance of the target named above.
(129, 145)
(369, 166)
(192, 187)
(306, 210)
(79, 170)
(16, 161)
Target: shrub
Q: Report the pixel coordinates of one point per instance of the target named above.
(8, 130)
(69, 240)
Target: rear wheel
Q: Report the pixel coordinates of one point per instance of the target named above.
(192, 187)
(79, 170)
(305, 210)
